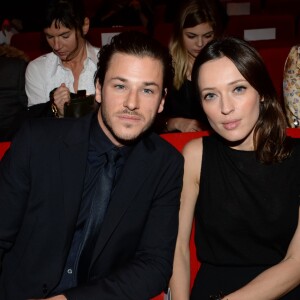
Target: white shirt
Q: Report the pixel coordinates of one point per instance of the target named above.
(47, 72)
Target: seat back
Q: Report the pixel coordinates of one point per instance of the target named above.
(274, 58)
(99, 36)
(3, 147)
(31, 43)
(262, 27)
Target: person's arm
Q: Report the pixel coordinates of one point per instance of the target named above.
(39, 103)
(291, 87)
(180, 281)
(277, 280)
(34, 84)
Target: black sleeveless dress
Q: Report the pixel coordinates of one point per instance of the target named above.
(246, 215)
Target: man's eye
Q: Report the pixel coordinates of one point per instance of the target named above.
(119, 86)
(148, 91)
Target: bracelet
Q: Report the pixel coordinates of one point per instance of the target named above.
(54, 110)
(53, 106)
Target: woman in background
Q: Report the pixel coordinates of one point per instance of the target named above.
(241, 185)
(198, 23)
(71, 65)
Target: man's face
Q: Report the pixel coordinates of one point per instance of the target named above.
(130, 97)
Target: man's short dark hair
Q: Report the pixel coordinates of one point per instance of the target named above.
(137, 44)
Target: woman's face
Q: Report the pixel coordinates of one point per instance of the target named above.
(195, 38)
(65, 42)
(229, 101)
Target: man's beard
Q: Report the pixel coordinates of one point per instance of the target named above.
(121, 140)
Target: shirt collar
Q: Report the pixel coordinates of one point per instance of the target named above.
(90, 52)
(100, 143)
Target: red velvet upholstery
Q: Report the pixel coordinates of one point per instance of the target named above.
(3, 147)
(284, 24)
(33, 43)
(94, 35)
(274, 58)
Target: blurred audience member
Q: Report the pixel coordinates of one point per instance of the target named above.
(13, 99)
(124, 13)
(198, 23)
(8, 29)
(71, 65)
(291, 87)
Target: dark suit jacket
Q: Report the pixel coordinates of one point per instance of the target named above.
(41, 183)
(13, 99)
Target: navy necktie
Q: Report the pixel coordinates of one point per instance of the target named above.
(98, 208)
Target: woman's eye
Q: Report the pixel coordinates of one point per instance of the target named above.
(209, 36)
(209, 96)
(191, 36)
(240, 89)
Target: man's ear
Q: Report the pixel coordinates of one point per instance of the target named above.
(86, 25)
(162, 102)
(98, 92)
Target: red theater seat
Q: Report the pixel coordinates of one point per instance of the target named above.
(32, 43)
(284, 25)
(99, 36)
(274, 59)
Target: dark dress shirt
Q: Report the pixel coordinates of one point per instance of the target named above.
(99, 144)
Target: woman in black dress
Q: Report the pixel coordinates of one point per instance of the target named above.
(241, 185)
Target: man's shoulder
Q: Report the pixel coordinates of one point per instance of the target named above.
(51, 129)
(162, 146)
(43, 61)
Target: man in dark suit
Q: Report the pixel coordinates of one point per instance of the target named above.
(49, 191)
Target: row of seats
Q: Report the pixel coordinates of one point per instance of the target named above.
(261, 30)
(237, 7)
(34, 43)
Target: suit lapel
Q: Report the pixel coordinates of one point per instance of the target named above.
(73, 157)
